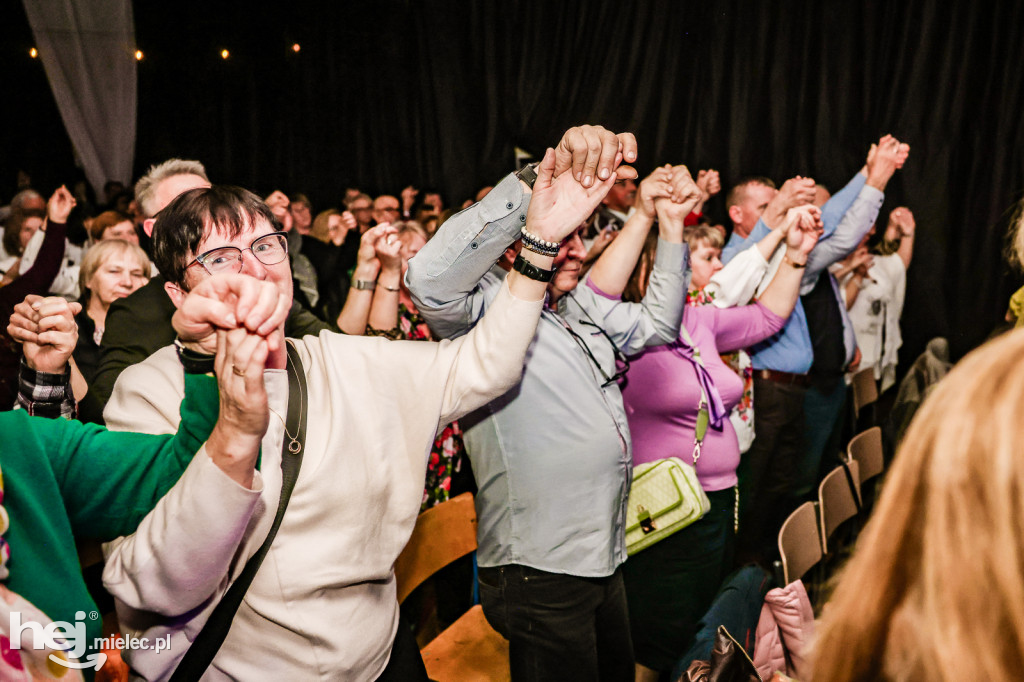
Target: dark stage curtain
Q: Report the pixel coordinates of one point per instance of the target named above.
(384, 94)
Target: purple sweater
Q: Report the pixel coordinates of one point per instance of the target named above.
(661, 391)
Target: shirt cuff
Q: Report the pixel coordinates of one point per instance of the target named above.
(671, 256)
(46, 394)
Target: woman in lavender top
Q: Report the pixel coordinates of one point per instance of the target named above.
(670, 584)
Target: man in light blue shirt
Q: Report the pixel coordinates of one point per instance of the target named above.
(782, 362)
(552, 458)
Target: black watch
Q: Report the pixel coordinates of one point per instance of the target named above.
(194, 362)
(532, 271)
(528, 173)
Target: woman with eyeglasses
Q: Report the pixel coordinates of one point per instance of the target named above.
(670, 584)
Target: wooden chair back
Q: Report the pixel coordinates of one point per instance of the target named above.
(442, 534)
(800, 542)
(866, 449)
(838, 499)
(865, 389)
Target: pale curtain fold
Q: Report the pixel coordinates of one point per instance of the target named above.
(88, 51)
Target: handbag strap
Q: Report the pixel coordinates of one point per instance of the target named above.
(701, 427)
(209, 640)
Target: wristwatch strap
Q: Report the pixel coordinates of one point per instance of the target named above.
(532, 271)
(528, 174)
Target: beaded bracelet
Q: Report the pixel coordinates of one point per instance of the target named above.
(538, 245)
(539, 251)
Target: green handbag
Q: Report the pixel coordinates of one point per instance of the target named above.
(665, 497)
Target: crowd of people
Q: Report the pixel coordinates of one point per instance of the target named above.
(571, 322)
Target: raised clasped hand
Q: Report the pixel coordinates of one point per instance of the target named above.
(595, 154)
(47, 331)
(230, 301)
(560, 204)
(803, 227)
(683, 196)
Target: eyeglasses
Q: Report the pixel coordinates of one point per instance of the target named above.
(270, 249)
(621, 361)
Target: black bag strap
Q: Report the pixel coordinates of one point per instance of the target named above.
(209, 640)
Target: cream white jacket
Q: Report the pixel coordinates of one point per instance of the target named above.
(322, 605)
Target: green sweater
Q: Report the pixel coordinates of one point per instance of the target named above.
(64, 479)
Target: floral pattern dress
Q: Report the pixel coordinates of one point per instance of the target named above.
(448, 452)
(742, 416)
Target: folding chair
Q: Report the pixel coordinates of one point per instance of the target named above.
(800, 542)
(838, 500)
(865, 395)
(469, 649)
(866, 449)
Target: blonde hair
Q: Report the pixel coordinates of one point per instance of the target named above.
(99, 253)
(935, 590)
(321, 225)
(697, 235)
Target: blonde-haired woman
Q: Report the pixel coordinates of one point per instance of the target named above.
(111, 269)
(935, 590)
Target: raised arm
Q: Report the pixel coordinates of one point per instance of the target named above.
(38, 278)
(444, 276)
(902, 227)
(489, 360)
(804, 228)
(384, 311)
(612, 269)
(358, 302)
(883, 161)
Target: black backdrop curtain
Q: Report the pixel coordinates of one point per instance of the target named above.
(434, 93)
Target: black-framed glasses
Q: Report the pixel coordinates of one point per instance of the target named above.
(270, 249)
(621, 361)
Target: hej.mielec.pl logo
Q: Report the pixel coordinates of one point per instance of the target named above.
(69, 641)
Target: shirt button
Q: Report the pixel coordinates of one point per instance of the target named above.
(508, 205)
(522, 217)
(473, 245)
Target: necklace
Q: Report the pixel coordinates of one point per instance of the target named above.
(294, 446)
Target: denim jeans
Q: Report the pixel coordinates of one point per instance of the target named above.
(559, 627)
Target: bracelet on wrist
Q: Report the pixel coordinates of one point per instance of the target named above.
(392, 289)
(540, 252)
(364, 284)
(538, 245)
(793, 263)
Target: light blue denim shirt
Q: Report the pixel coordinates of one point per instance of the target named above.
(552, 458)
(847, 217)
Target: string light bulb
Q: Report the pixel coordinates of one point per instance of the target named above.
(138, 55)
(33, 52)
(296, 47)
(224, 54)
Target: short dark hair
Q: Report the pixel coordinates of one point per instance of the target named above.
(735, 194)
(183, 224)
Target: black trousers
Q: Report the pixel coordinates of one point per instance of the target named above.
(772, 466)
(559, 627)
(405, 662)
